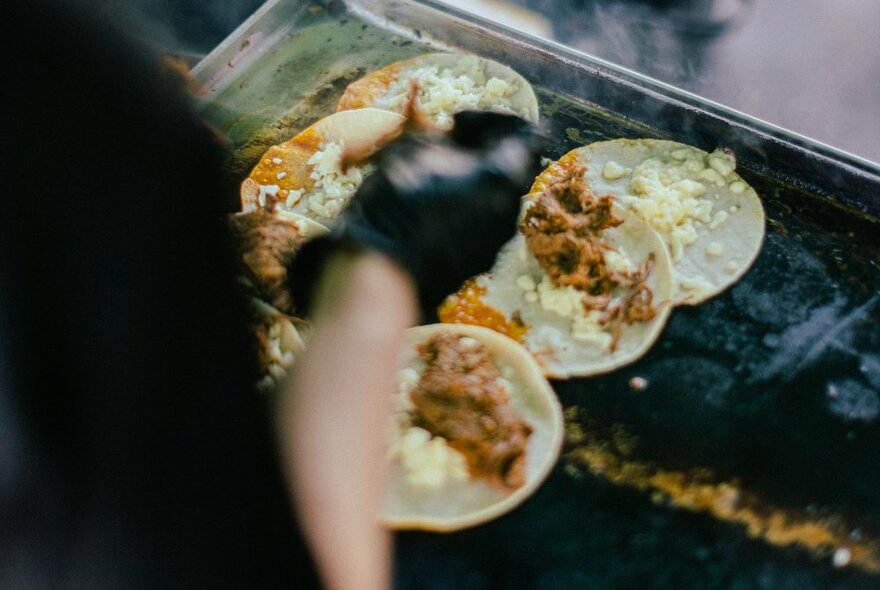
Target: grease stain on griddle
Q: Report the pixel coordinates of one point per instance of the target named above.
(823, 535)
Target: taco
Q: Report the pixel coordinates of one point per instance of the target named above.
(266, 242)
(476, 429)
(278, 339)
(585, 284)
(710, 219)
(445, 83)
(317, 172)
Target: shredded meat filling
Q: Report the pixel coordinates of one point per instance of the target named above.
(562, 230)
(637, 306)
(460, 398)
(266, 244)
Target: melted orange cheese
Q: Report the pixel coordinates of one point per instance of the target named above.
(467, 307)
(365, 92)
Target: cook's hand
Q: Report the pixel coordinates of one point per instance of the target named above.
(440, 206)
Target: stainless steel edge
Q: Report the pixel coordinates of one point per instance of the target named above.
(672, 112)
(416, 14)
(770, 149)
(392, 14)
(246, 44)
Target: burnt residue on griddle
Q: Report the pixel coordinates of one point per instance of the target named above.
(308, 110)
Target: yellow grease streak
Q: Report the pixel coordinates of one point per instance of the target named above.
(726, 501)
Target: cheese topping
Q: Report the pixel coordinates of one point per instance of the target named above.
(737, 187)
(618, 261)
(281, 346)
(293, 197)
(429, 462)
(445, 91)
(670, 194)
(587, 325)
(333, 188)
(699, 287)
(267, 190)
(715, 249)
(613, 171)
(719, 218)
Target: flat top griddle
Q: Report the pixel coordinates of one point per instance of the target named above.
(743, 450)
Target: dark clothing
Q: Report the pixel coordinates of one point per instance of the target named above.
(135, 452)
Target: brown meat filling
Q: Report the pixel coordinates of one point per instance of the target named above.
(266, 243)
(460, 398)
(562, 230)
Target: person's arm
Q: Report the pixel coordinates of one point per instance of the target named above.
(434, 213)
(333, 416)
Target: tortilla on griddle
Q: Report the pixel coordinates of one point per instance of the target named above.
(279, 340)
(316, 173)
(563, 346)
(267, 241)
(446, 84)
(460, 503)
(710, 219)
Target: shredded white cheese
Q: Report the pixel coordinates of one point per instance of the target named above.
(293, 197)
(429, 462)
(332, 188)
(446, 91)
(698, 287)
(526, 283)
(618, 261)
(722, 162)
(588, 329)
(267, 190)
(710, 175)
(670, 201)
(715, 249)
(719, 218)
(613, 171)
(669, 194)
(567, 301)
